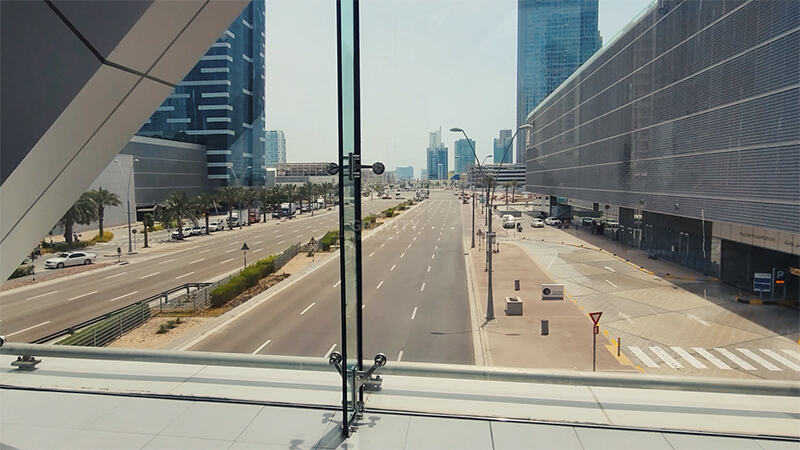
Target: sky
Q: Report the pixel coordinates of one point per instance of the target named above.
(425, 64)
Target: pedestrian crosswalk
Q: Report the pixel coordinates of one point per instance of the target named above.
(721, 358)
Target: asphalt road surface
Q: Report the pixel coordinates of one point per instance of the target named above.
(31, 312)
(415, 297)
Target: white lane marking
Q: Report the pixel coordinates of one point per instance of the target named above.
(371, 254)
(278, 235)
(400, 355)
(611, 283)
(438, 239)
(27, 329)
(393, 266)
(780, 359)
(609, 269)
(792, 353)
(409, 246)
(261, 347)
(184, 275)
(256, 243)
(363, 306)
(433, 256)
(123, 296)
(197, 261)
(379, 285)
(281, 242)
(307, 308)
(436, 247)
(42, 295)
(258, 250)
(768, 365)
(698, 320)
(148, 276)
(666, 357)
(82, 295)
(422, 288)
(204, 251)
(383, 245)
(163, 262)
(415, 238)
(117, 274)
(337, 283)
(738, 361)
(626, 317)
(429, 268)
(414, 313)
(689, 358)
(330, 350)
(404, 254)
(643, 357)
(552, 261)
(711, 358)
(227, 260)
(231, 250)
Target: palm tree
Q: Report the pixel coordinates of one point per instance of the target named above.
(148, 221)
(514, 184)
(177, 206)
(264, 197)
(230, 196)
(506, 185)
(102, 198)
(290, 193)
(204, 202)
(248, 200)
(82, 212)
(309, 190)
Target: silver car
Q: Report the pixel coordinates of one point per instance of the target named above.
(70, 259)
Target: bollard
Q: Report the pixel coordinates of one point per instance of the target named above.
(516, 285)
(545, 327)
(619, 344)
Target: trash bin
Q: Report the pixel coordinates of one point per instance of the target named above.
(545, 327)
(513, 306)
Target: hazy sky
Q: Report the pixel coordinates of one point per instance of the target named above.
(424, 64)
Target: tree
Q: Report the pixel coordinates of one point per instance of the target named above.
(81, 212)
(148, 221)
(327, 190)
(230, 196)
(204, 202)
(177, 206)
(309, 191)
(264, 197)
(102, 198)
(514, 184)
(248, 199)
(506, 185)
(290, 193)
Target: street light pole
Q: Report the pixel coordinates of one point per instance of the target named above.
(128, 200)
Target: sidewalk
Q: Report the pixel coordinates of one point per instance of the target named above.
(516, 341)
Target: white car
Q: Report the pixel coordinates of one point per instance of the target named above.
(551, 221)
(187, 231)
(70, 259)
(537, 223)
(216, 225)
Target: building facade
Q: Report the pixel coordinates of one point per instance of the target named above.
(464, 155)
(688, 125)
(436, 156)
(220, 104)
(499, 148)
(275, 148)
(405, 173)
(554, 37)
(506, 173)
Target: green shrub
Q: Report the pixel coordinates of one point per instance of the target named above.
(389, 212)
(330, 238)
(246, 279)
(21, 271)
(162, 328)
(401, 207)
(107, 237)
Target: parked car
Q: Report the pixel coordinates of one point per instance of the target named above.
(187, 231)
(70, 259)
(509, 221)
(586, 221)
(537, 223)
(386, 197)
(551, 221)
(216, 225)
(198, 230)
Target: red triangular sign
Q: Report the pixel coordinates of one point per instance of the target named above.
(595, 316)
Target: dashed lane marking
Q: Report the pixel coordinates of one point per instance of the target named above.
(81, 296)
(123, 296)
(261, 347)
(307, 308)
(27, 329)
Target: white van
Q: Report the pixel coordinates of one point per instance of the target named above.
(509, 221)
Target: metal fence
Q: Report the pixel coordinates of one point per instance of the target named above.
(110, 328)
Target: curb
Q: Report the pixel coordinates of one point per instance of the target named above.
(760, 302)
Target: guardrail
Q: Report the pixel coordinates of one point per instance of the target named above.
(428, 370)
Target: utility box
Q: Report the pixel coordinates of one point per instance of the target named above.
(545, 327)
(513, 306)
(552, 292)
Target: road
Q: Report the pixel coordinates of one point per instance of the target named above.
(414, 290)
(31, 312)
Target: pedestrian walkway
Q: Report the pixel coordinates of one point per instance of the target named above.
(656, 357)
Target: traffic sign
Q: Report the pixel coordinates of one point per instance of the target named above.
(595, 317)
(133, 231)
(596, 329)
(762, 282)
(245, 247)
(780, 276)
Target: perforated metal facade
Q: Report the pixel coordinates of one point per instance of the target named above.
(694, 111)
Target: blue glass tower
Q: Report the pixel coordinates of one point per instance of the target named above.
(554, 37)
(463, 155)
(220, 104)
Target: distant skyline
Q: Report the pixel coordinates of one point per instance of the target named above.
(424, 65)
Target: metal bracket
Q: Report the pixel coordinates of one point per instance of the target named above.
(355, 160)
(363, 378)
(26, 362)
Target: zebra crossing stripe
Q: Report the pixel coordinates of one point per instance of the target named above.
(738, 361)
(643, 357)
(768, 365)
(689, 358)
(666, 358)
(711, 358)
(792, 353)
(780, 359)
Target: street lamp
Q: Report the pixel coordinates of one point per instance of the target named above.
(128, 199)
(239, 183)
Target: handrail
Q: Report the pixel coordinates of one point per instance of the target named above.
(412, 369)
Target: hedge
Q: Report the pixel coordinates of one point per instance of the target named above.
(330, 238)
(389, 212)
(21, 271)
(400, 207)
(59, 247)
(246, 279)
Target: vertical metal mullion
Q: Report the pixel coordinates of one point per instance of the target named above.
(357, 185)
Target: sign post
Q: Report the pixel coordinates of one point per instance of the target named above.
(595, 316)
(245, 248)
(762, 282)
(134, 238)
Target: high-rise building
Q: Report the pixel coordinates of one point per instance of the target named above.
(275, 148)
(405, 173)
(499, 149)
(437, 156)
(423, 174)
(220, 104)
(554, 37)
(464, 156)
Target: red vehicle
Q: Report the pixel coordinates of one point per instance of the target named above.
(254, 216)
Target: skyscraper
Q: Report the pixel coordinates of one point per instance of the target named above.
(437, 156)
(405, 173)
(220, 104)
(275, 148)
(464, 157)
(554, 37)
(500, 144)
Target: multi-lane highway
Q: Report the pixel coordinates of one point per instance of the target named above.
(415, 297)
(34, 311)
